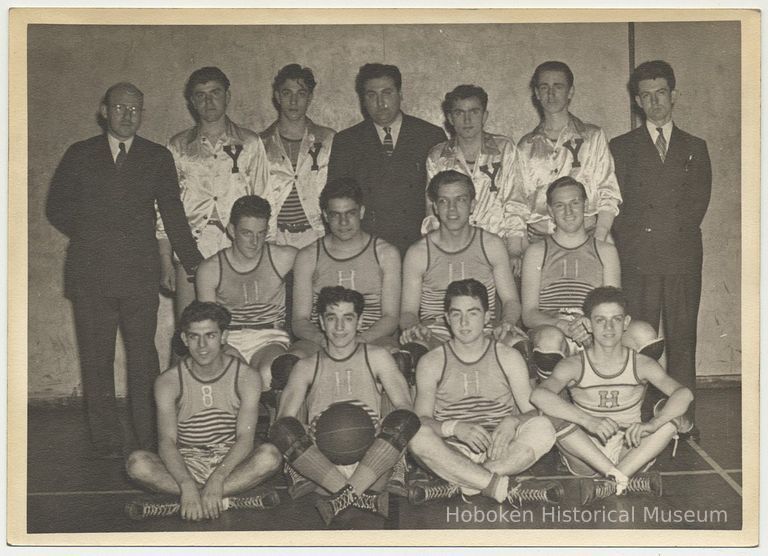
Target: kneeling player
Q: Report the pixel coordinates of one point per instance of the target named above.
(472, 397)
(346, 371)
(207, 408)
(602, 431)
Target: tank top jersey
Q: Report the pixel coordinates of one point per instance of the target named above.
(255, 298)
(568, 275)
(343, 380)
(361, 272)
(206, 410)
(618, 396)
(444, 267)
(476, 391)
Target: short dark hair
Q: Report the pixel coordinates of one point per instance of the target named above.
(604, 294)
(448, 176)
(655, 69)
(470, 288)
(563, 182)
(374, 71)
(205, 75)
(464, 92)
(333, 295)
(341, 188)
(249, 205)
(297, 72)
(551, 65)
(198, 311)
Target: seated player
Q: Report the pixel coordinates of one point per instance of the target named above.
(349, 257)
(559, 272)
(455, 251)
(479, 429)
(347, 370)
(207, 408)
(601, 432)
(248, 279)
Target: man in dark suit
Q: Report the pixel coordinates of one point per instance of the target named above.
(386, 154)
(665, 178)
(102, 198)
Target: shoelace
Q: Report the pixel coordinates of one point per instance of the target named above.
(398, 472)
(605, 488)
(293, 475)
(158, 509)
(528, 494)
(247, 503)
(343, 500)
(436, 492)
(639, 484)
(366, 502)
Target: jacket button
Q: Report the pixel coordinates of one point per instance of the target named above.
(649, 229)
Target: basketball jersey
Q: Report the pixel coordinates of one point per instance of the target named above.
(361, 272)
(344, 380)
(444, 267)
(476, 391)
(256, 297)
(568, 275)
(618, 396)
(206, 410)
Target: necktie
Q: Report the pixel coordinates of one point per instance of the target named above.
(661, 144)
(389, 146)
(121, 156)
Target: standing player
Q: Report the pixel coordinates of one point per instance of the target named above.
(455, 251)
(346, 371)
(249, 280)
(666, 178)
(385, 154)
(560, 271)
(472, 398)
(349, 257)
(298, 151)
(607, 383)
(217, 162)
(487, 158)
(207, 408)
(561, 145)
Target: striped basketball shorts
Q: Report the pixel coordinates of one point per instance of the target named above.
(250, 340)
(202, 461)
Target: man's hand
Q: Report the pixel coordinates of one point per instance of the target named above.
(213, 492)
(636, 432)
(516, 263)
(191, 504)
(474, 436)
(603, 428)
(415, 333)
(167, 274)
(577, 331)
(501, 330)
(503, 436)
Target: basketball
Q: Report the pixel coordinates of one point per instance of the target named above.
(344, 432)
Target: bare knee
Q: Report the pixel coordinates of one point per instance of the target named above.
(140, 464)
(268, 457)
(639, 334)
(537, 434)
(424, 437)
(549, 339)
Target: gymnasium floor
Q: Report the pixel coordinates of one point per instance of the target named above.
(68, 493)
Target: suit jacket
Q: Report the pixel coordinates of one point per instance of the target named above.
(394, 185)
(109, 217)
(658, 229)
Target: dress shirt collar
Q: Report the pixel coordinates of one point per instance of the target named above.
(396, 125)
(573, 129)
(114, 145)
(666, 129)
(231, 134)
(487, 147)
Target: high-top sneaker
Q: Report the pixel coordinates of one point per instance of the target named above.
(396, 483)
(165, 507)
(298, 485)
(377, 503)
(640, 483)
(419, 493)
(535, 490)
(331, 506)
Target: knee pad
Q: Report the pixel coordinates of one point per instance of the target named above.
(399, 427)
(654, 349)
(289, 436)
(538, 434)
(524, 347)
(546, 363)
(281, 368)
(415, 350)
(684, 424)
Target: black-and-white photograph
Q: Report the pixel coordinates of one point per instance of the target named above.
(408, 277)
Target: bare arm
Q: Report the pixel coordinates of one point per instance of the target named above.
(207, 279)
(611, 265)
(386, 370)
(516, 371)
(532, 316)
(295, 391)
(414, 266)
(283, 256)
(680, 397)
(502, 276)
(391, 266)
(303, 269)
(428, 373)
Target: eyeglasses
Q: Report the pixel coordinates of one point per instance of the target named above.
(121, 109)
